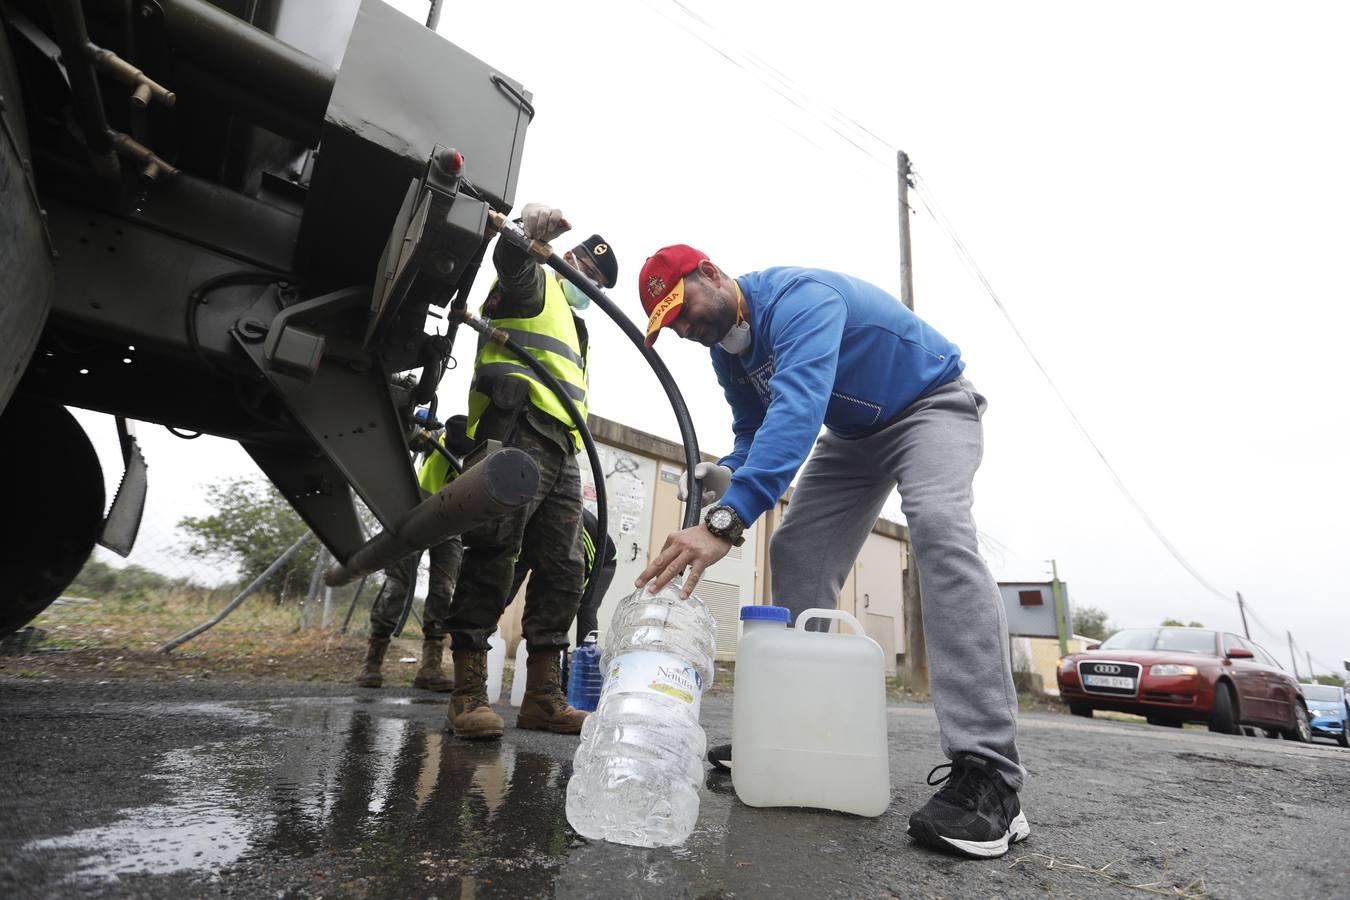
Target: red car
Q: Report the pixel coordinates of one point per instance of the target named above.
(1177, 675)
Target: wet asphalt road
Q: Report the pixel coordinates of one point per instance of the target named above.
(285, 790)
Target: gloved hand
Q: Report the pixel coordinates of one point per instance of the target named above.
(716, 479)
(543, 223)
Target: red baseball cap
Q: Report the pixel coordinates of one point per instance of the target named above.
(661, 284)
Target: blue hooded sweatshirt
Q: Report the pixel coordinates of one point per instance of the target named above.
(828, 349)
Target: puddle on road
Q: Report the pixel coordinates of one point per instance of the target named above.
(198, 831)
(340, 782)
(365, 798)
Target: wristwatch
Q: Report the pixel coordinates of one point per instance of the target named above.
(726, 523)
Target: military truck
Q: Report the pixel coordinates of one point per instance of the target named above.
(231, 218)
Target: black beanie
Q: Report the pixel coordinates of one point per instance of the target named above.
(601, 254)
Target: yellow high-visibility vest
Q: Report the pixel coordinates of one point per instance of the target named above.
(435, 472)
(550, 337)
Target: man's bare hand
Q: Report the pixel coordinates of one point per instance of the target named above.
(695, 547)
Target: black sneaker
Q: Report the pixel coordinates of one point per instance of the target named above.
(975, 812)
(720, 757)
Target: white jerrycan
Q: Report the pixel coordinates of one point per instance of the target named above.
(496, 664)
(808, 721)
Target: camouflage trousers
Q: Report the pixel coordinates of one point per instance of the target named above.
(546, 531)
(388, 605)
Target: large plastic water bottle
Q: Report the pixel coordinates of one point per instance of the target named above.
(637, 770)
(585, 678)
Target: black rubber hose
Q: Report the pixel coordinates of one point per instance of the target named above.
(432, 355)
(690, 440)
(412, 563)
(449, 457)
(592, 455)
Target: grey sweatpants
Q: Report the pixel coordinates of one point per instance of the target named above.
(930, 453)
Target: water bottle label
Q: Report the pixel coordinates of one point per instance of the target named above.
(656, 673)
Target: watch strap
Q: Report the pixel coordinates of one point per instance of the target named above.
(735, 533)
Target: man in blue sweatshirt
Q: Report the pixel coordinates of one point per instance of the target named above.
(795, 349)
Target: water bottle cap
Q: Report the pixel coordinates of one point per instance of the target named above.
(591, 638)
(766, 614)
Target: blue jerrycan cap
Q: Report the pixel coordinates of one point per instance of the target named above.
(766, 614)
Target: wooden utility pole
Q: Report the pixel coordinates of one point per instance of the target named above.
(1243, 610)
(1293, 657)
(916, 655)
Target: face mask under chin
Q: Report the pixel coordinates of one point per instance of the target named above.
(737, 340)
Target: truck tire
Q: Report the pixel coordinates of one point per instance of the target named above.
(1223, 719)
(53, 475)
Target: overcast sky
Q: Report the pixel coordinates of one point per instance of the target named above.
(1157, 192)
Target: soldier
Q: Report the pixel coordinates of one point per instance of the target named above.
(603, 572)
(508, 403)
(388, 606)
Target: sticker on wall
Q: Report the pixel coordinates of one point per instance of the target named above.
(670, 474)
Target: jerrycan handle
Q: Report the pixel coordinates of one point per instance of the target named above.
(809, 614)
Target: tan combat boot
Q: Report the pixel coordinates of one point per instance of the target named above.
(370, 676)
(545, 705)
(469, 715)
(430, 677)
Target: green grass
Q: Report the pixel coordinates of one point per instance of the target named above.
(118, 635)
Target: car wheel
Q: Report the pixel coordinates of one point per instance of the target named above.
(1343, 740)
(1302, 730)
(1223, 720)
(1080, 709)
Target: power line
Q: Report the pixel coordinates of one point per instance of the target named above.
(930, 204)
(838, 122)
(1251, 614)
(786, 88)
(777, 82)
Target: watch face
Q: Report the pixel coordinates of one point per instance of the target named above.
(720, 518)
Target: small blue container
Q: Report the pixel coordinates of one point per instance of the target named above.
(585, 679)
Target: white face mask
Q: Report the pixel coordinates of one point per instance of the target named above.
(737, 340)
(576, 297)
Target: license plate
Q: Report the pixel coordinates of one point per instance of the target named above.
(1109, 681)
